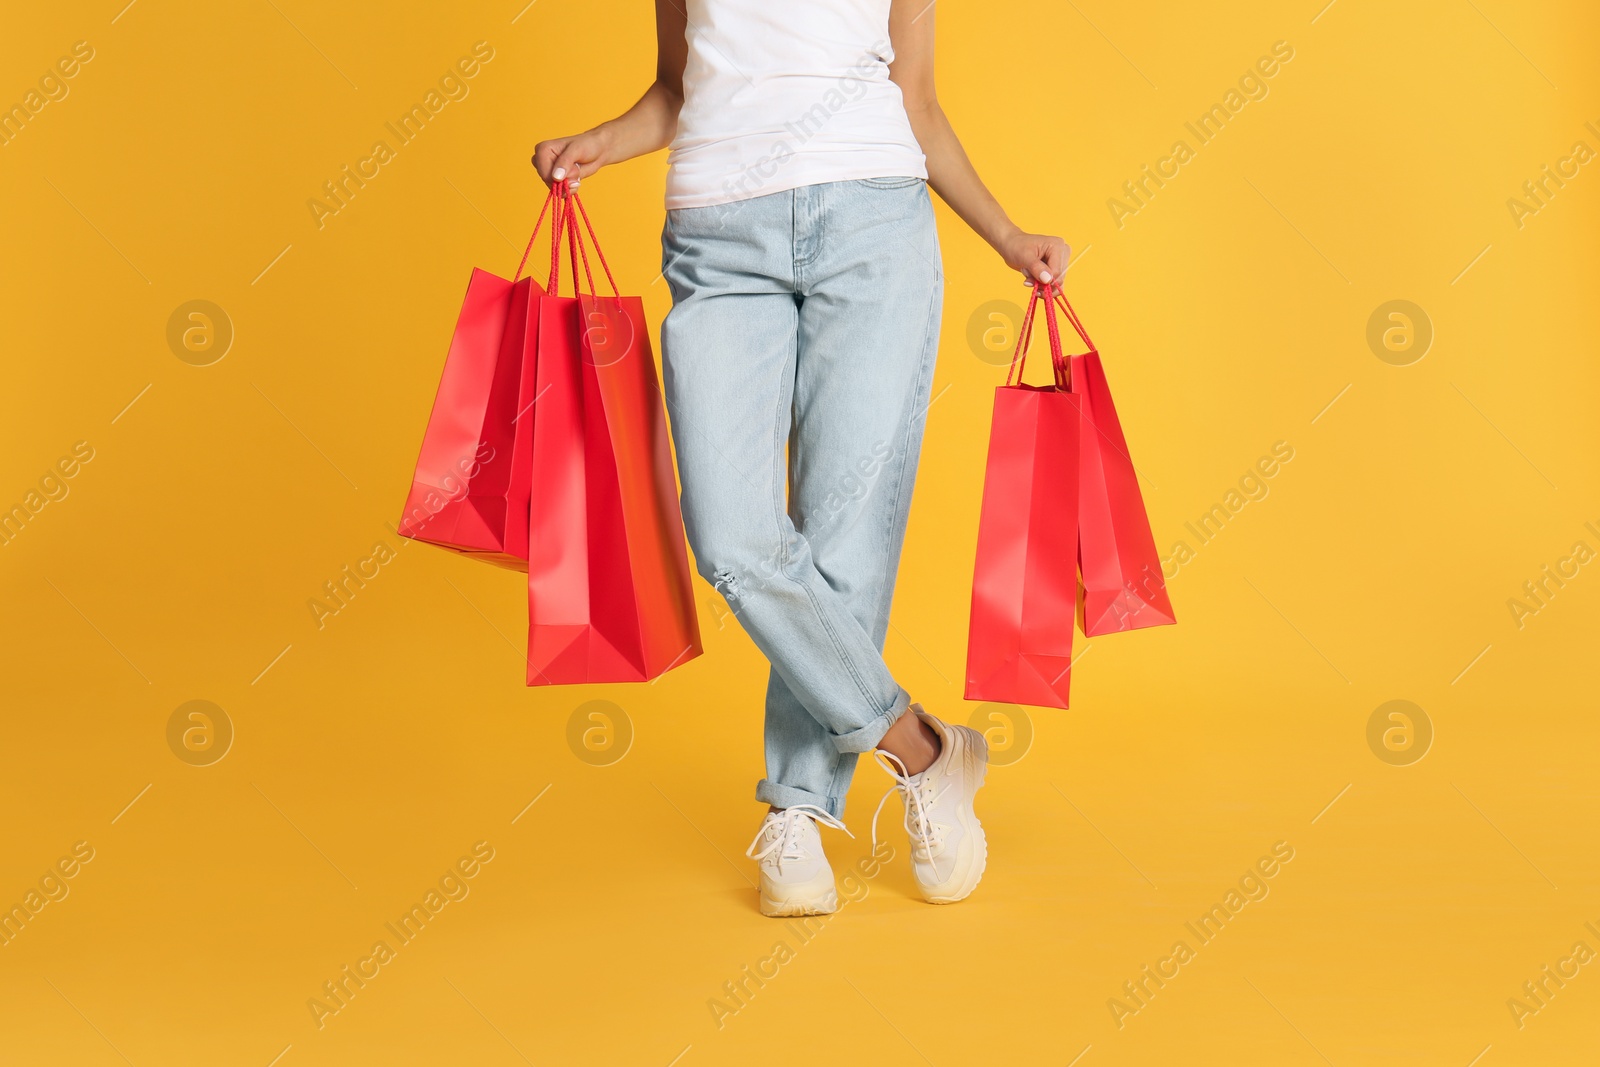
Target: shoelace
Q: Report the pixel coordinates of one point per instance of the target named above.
(786, 841)
(919, 797)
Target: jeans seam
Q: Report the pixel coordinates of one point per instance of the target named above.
(818, 225)
(841, 778)
(780, 513)
(905, 444)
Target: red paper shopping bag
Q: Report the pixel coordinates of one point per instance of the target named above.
(609, 597)
(470, 490)
(1123, 584)
(1024, 582)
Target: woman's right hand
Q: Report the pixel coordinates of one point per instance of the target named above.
(572, 158)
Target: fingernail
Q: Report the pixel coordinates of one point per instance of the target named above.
(574, 183)
(559, 173)
(1044, 276)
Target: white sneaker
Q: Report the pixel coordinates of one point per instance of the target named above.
(795, 876)
(948, 849)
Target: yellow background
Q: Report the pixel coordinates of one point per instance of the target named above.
(371, 754)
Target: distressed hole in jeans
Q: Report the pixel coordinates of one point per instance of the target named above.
(727, 584)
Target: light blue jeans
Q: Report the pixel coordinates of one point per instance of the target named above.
(798, 359)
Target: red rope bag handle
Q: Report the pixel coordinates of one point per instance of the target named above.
(564, 207)
(1050, 296)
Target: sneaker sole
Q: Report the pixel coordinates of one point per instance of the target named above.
(819, 897)
(976, 759)
(826, 904)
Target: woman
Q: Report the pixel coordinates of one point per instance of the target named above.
(804, 266)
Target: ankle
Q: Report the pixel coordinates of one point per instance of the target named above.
(913, 742)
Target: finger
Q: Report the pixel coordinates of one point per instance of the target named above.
(568, 164)
(1057, 259)
(1039, 270)
(544, 157)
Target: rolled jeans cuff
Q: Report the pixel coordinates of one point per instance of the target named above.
(866, 739)
(787, 796)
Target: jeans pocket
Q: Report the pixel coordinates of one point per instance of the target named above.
(890, 183)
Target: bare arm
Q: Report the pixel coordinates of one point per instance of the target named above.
(646, 127)
(950, 172)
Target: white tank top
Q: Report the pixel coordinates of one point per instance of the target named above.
(781, 95)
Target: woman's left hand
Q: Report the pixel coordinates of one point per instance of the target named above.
(1040, 258)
